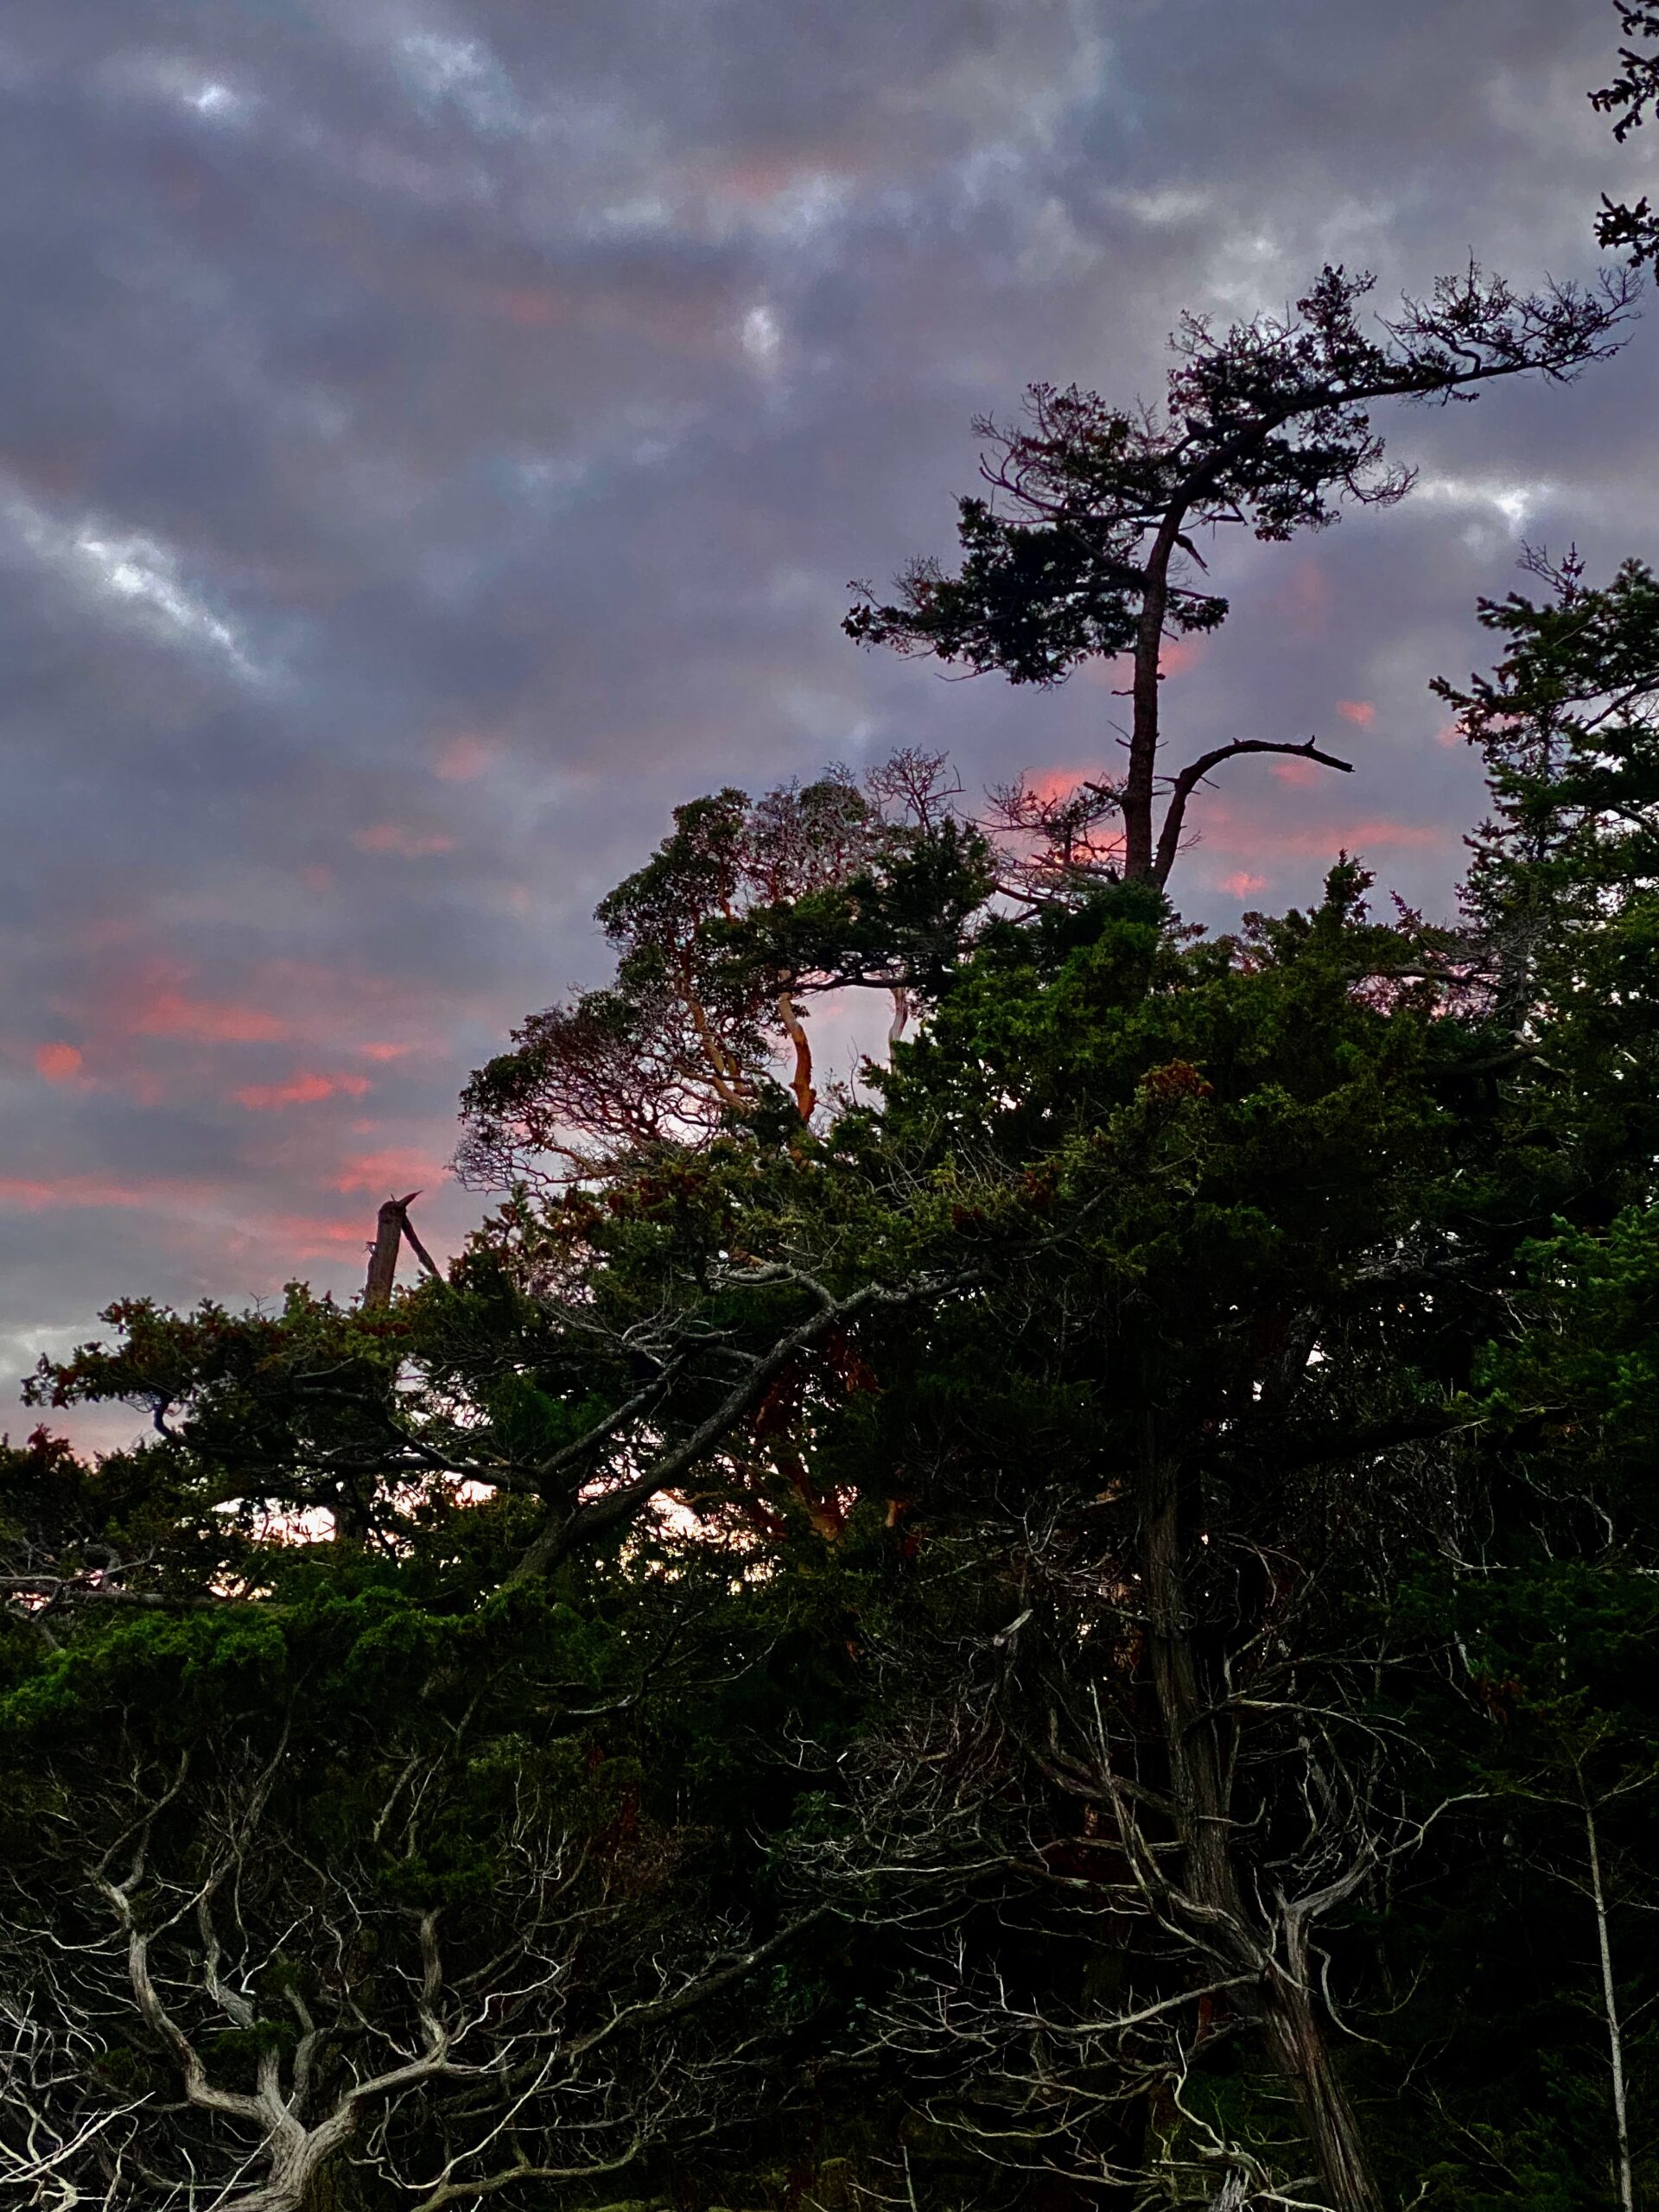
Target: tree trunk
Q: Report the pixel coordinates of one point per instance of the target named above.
(1143, 730)
(1610, 2006)
(382, 1259)
(1297, 2047)
(1281, 2004)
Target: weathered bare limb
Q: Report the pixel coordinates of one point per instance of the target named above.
(1182, 786)
(567, 1525)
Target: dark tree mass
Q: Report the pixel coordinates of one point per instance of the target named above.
(1072, 1624)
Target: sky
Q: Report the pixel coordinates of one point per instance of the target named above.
(436, 437)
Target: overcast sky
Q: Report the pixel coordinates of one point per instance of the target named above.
(437, 436)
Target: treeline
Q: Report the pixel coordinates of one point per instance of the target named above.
(1073, 1623)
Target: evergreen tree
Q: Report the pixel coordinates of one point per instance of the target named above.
(1074, 1627)
(1086, 547)
(1632, 228)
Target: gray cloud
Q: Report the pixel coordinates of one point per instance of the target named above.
(437, 436)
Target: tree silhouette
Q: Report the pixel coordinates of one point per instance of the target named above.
(1634, 93)
(1085, 547)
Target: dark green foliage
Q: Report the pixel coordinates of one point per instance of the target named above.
(1630, 99)
(1265, 423)
(745, 913)
(1086, 547)
(1080, 1629)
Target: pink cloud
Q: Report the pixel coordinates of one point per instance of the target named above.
(314, 1237)
(398, 1169)
(531, 307)
(58, 1063)
(1257, 836)
(47, 1193)
(1357, 710)
(168, 1013)
(1243, 883)
(1115, 676)
(1177, 655)
(464, 757)
(149, 1026)
(1449, 734)
(1056, 783)
(1304, 597)
(122, 993)
(407, 844)
(1422, 836)
(300, 1090)
(343, 1002)
(1300, 772)
(1357, 838)
(761, 179)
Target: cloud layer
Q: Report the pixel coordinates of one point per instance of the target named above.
(437, 436)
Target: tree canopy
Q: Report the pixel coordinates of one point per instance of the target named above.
(1086, 546)
(1081, 1623)
(1070, 1623)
